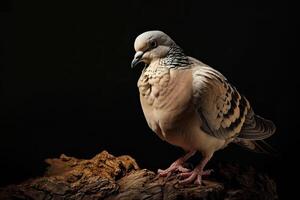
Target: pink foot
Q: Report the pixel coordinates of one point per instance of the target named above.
(194, 176)
(175, 167)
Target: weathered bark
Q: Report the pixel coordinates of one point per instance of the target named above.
(109, 177)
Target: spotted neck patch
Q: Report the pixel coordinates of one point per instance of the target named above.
(175, 58)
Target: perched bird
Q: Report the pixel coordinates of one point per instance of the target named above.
(191, 105)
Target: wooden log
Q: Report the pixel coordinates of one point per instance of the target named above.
(108, 177)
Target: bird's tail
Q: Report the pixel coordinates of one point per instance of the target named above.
(256, 128)
(258, 146)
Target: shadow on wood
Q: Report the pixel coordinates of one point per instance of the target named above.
(108, 177)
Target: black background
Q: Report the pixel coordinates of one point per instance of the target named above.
(67, 86)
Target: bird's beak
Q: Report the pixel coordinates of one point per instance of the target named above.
(137, 58)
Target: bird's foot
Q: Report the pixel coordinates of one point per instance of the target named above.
(194, 176)
(175, 167)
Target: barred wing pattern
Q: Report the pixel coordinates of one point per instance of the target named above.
(224, 112)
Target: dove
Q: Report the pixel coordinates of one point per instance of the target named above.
(193, 106)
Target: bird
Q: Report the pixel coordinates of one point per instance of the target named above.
(193, 106)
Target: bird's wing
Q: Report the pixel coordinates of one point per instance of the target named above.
(219, 105)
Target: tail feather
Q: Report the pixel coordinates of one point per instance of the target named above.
(256, 128)
(258, 146)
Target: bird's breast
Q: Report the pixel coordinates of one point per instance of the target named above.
(165, 98)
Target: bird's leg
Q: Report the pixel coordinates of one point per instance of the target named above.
(177, 165)
(196, 175)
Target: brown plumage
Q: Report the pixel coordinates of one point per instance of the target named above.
(191, 105)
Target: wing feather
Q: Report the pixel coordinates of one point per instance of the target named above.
(219, 104)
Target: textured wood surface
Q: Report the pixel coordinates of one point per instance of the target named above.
(108, 177)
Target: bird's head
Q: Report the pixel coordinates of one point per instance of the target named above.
(150, 46)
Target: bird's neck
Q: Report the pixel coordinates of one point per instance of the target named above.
(175, 58)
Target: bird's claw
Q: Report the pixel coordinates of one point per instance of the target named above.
(194, 176)
(182, 169)
(167, 172)
(163, 173)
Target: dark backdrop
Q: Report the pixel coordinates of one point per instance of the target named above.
(67, 86)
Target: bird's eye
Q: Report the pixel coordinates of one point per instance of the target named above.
(153, 44)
